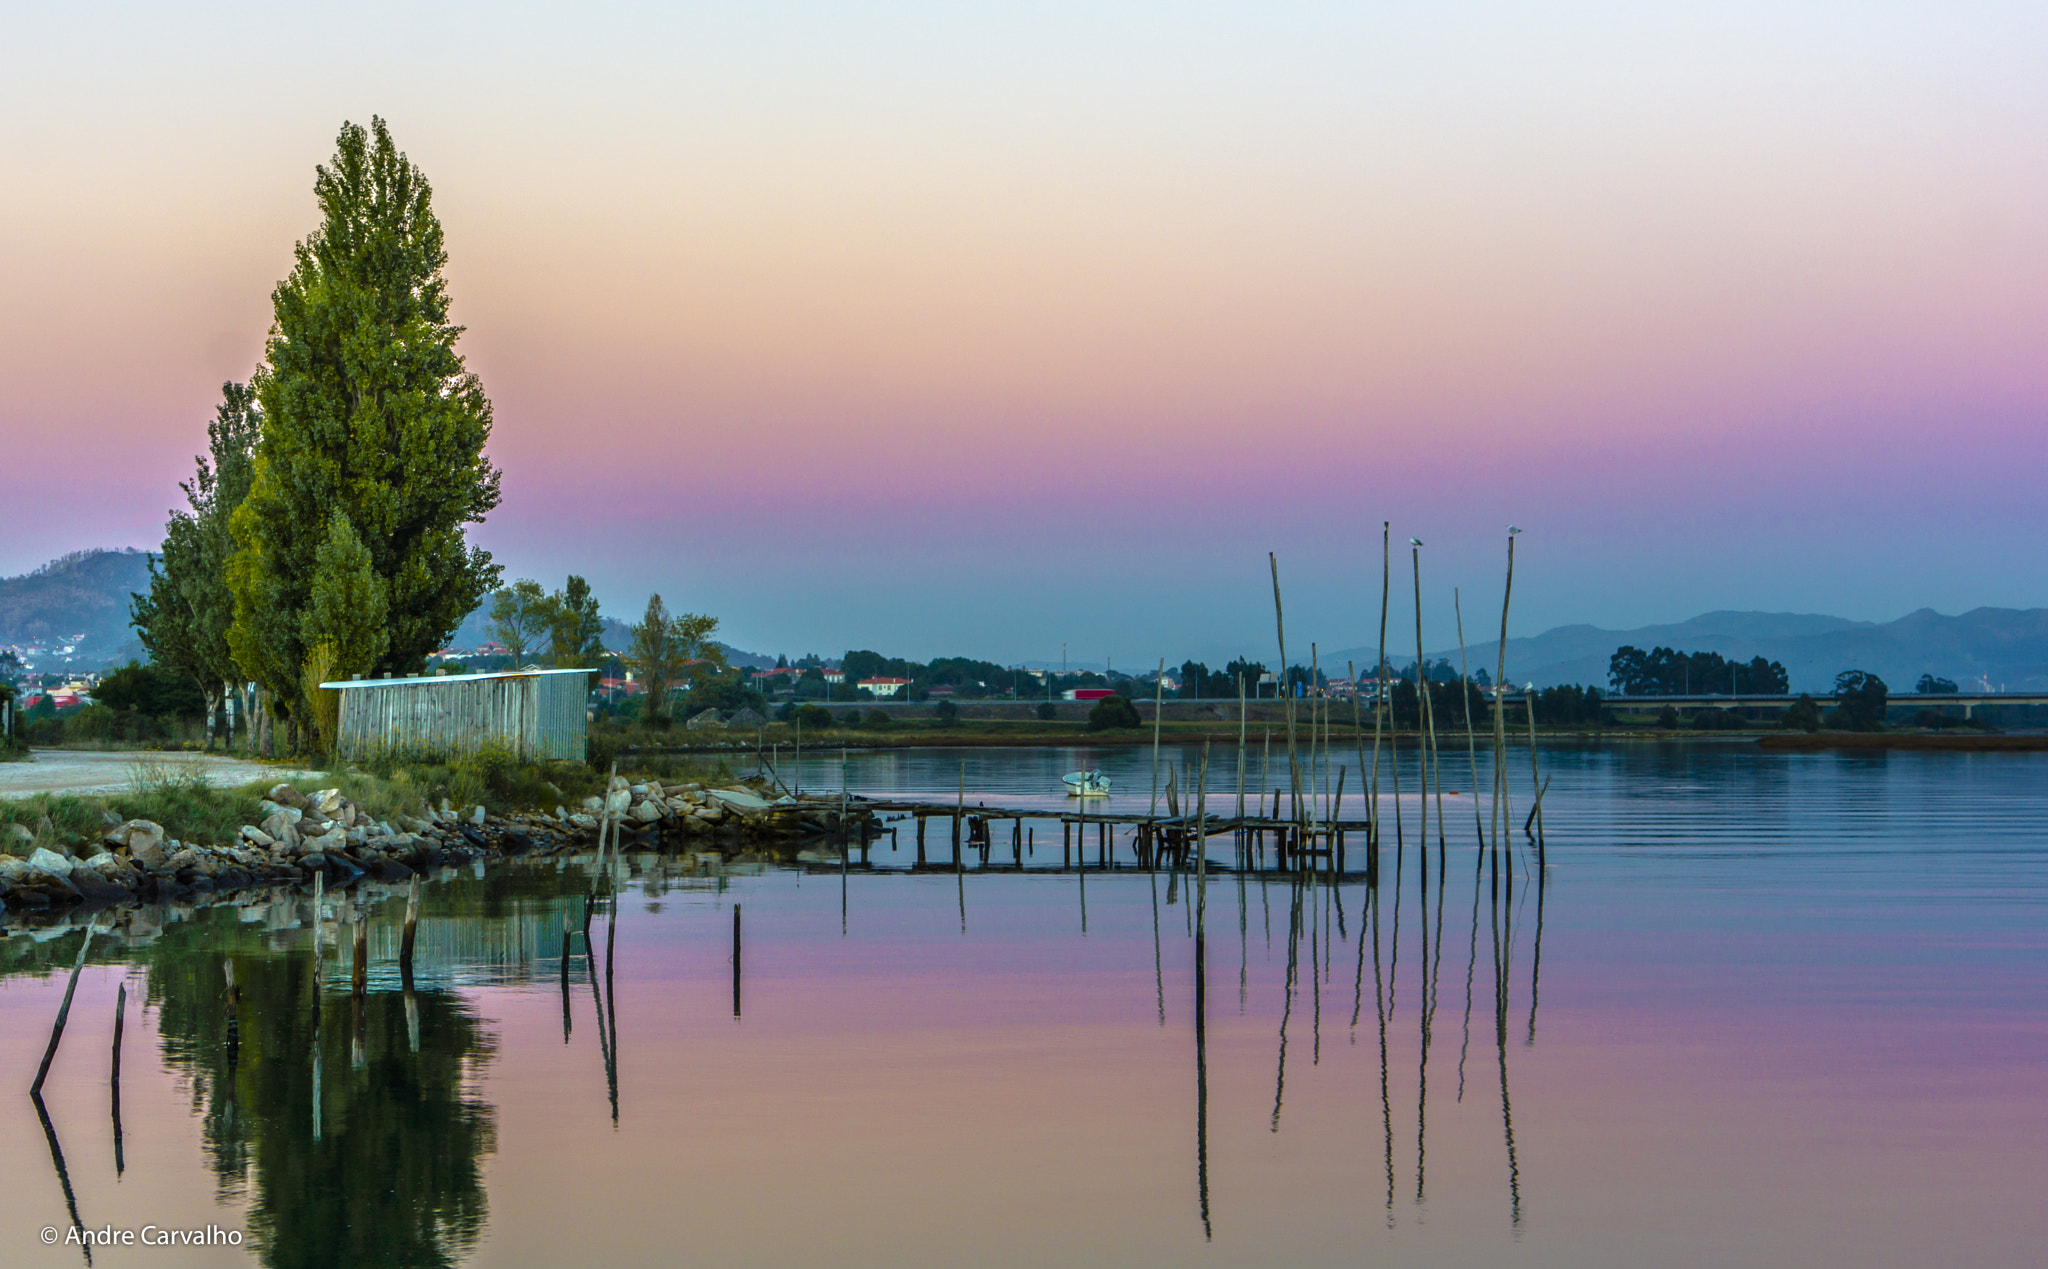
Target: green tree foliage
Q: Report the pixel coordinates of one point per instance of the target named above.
(1113, 713)
(1804, 715)
(1664, 672)
(1566, 705)
(575, 627)
(345, 625)
(722, 690)
(1046, 712)
(815, 716)
(662, 645)
(184, 618)
(1929, 683)
(947, 714)
(1860, 701)
(521, 615)
(153, 689)
(369, 415)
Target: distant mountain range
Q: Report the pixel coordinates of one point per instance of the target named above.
(1995, 649)
(81, 601)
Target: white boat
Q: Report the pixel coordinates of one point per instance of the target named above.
(1087, 784)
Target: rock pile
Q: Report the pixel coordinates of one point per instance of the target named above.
(749, 813)
(301, 835)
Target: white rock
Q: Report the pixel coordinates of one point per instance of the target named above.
(50, 862)
(593, 804)
(476, 816)
(255, 835)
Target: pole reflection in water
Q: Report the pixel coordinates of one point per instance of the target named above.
(1502, 942)
(1158, 972)
(114, 1080)
(1202, 1080)
(1287, 1008)
(1386, 1090)
(63, 1173)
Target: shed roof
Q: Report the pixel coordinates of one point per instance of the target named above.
(344, 684)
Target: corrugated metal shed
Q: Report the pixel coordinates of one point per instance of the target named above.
(531, 714)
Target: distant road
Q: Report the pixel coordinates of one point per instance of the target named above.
(88, 771)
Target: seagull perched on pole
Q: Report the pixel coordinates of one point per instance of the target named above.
(1513, 529)
(1415, 541)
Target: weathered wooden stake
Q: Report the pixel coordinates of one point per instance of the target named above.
(1536, 811)
(1280, 628)
(735, 960)
(1158, 714)
(1471, 740)
(412, 920)
(63, 1010)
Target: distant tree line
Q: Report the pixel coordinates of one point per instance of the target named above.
(1666, 672)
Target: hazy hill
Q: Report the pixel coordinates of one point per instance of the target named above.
(83, 593)
(2006, 646)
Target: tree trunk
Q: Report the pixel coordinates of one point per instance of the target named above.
(213, 702)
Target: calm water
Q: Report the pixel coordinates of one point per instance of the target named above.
(1764, 1009)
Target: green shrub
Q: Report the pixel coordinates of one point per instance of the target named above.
(878, 720)
(1045, 711)
(1113, 713)
(816, 716)
(947, 714)
(1803, 715)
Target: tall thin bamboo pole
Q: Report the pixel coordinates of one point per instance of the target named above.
(1471, 740)
(1280, 628)
(1500, 736)
(1383, 708)
(1421, 705)
(1158, 713)
(1535, 777)
(1242, 718)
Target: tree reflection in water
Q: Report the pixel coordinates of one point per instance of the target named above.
(394, 1176)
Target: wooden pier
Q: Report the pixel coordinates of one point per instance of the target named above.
(1171, 840)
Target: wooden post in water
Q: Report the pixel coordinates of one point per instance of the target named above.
(1158, 714)
(1280, 628)
(1535, 778)
(959, 809)
(120, 1016)
(1421, 701)
(412, 920)
(1500, 674)
(1379, 687)
(736, 960)
(1471, 740)
(1242, 719)
(63, 1010)
(359, 980)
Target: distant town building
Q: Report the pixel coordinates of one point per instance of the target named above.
(833, 674)
(884, 687)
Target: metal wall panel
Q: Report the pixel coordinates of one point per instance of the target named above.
(531, 716)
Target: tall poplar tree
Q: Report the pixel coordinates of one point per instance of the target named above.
(370, 416)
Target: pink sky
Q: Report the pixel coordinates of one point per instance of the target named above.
(864, 328)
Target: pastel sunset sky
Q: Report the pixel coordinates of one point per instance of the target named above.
(979, 328)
